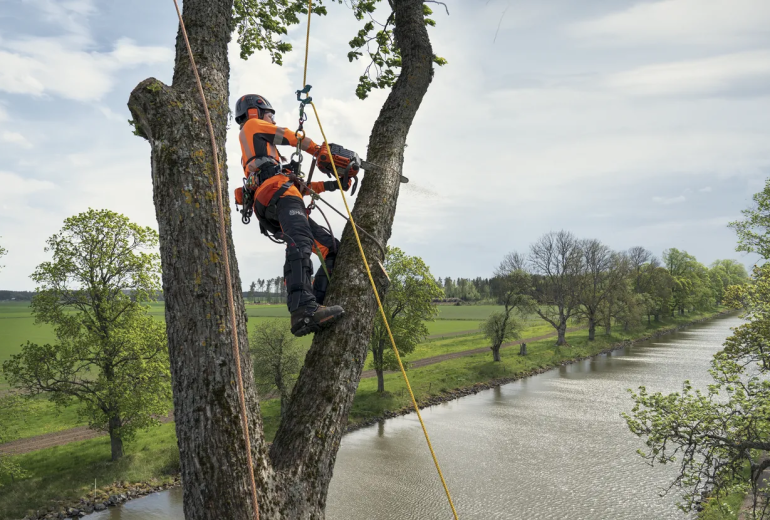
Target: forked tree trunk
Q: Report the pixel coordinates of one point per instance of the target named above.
(293, 481)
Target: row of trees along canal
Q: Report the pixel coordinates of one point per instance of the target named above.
(561, 280)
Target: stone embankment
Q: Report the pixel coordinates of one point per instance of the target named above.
(101, 499)
(457, 393)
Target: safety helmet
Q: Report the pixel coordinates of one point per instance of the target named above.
(250, 101)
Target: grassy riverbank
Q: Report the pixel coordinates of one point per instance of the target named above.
(68, 472)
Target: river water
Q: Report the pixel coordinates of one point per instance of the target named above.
(553, 446)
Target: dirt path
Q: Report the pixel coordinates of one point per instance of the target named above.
(82, 433)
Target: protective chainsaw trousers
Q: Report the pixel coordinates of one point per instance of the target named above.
(303, 236)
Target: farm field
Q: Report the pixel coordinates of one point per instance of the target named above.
(17, 326)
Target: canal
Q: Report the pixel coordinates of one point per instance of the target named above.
(553, 446)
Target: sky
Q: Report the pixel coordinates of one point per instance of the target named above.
(633, 122)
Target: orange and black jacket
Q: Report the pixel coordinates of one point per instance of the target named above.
(258, 140)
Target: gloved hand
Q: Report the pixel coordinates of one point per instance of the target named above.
(332, 185)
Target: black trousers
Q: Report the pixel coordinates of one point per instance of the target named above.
(302, 236)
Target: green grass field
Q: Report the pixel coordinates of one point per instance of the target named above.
(17, 326)
(69, 471)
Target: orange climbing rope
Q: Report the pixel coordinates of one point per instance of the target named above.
(371, 279)
(226, 258)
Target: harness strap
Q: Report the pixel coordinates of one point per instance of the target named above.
(279, 193)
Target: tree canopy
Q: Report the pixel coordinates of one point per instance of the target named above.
(109, 354)
(408, 303)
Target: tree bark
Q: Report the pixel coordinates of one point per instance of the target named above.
(523, 349)
(292, 482)
(591, 328)
(561, 337)
(380, 380)
(206, 403)
(116, 442)
(495, 352)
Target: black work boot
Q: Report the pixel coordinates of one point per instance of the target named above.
(314, 318)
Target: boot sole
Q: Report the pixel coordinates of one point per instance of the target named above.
(305, 329)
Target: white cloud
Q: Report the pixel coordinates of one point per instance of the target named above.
(69, 15)
(666, 201)
(15, 186)
(713, 75)
(16, 138)
(699, 22)
(705, 189)
(63, 67)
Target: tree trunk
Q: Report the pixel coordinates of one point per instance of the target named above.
(307, 441)
(523, 349)
(203, 368)
(591, 328)
(210, 435)
(285, 397)
(496, 352)
(608, 326)
(116, 442)
(380, 380)
(293, 481)
(561, 331)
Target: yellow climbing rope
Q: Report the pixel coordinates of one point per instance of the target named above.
(371, 279)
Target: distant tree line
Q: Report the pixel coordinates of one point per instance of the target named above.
(269, 290)
(563, 279)
(24, 296)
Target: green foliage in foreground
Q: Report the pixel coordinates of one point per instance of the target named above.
(69, 471)
(718, 437)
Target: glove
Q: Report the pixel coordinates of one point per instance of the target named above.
(332, 185)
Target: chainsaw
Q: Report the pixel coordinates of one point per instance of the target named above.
(348, 165)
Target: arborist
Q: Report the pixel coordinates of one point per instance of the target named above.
(280, 209)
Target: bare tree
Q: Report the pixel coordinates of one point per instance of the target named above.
(557, 261)
(601, 285)
(278, 358)
(511, 287)
(293, 479)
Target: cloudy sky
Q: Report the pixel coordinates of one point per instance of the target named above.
(634, 122)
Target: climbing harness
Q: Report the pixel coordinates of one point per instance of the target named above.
(226, 259)
(369, 273)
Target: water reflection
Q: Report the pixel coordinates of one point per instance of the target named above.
(551, 446)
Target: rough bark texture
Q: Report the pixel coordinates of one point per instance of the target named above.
(293, 481)
(206, 403)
